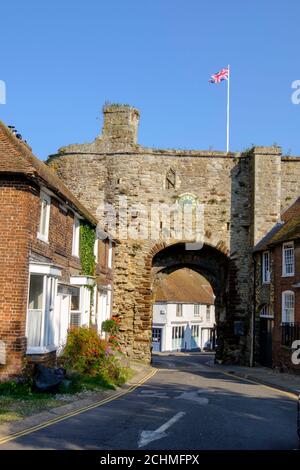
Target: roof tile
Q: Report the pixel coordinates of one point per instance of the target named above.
(16, 158)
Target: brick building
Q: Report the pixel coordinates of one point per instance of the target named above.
(44, 286)
(278, 292)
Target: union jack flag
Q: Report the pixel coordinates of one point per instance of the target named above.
(219, 76)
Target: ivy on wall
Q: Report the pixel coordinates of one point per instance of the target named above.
(87, 242)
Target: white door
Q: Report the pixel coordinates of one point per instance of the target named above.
(102, 310)
(205, 337)
(63, 319)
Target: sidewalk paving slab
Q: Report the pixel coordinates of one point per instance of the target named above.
(264, 375)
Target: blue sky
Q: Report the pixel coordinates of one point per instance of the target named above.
(61, 60)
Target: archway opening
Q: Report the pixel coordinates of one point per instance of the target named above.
(189, 299)
(183, 312)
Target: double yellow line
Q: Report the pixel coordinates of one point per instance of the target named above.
(50, 422)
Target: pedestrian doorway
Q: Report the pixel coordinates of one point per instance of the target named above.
(156, 339)
(103, 308)
(266, 332)
(63, 316)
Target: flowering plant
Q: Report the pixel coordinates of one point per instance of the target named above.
(87, 353)
(112, 327)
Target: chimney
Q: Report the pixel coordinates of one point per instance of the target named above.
(120, 124)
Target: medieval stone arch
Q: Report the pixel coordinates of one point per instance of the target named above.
(238, 211)
(211, 263)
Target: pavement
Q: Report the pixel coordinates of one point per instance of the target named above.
(183, 404)
(91, 400)
(264, 375)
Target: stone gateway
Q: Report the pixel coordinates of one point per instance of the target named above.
(243, 196)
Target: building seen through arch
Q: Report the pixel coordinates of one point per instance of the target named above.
(183, 313)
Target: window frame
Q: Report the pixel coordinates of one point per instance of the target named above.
(170, 179)
(285, 246)
(284, 308)
(208, 313)
(197, 310)
(195, 328)
(79, 310)
(110, 255)
(47, 310)
(76, 237)
(40, 235)
(179, 310)
(266, 312)
(266, 271)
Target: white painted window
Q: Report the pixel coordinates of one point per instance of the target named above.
(103, 310)
(76, 237)
(178, 310)
(45, 204)
(196, 310)
(288, 262)
(40, 325)
(208, 313)
(266, 267)
(177, 337)
(75, 319)
(110, 254)
(195, 332)
(266, 312)
(288, 306)
(109, 303)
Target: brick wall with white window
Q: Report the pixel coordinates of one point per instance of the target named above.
(14, 247)
(286, 287)
(37, 253)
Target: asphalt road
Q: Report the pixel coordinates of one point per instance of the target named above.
(185, 406)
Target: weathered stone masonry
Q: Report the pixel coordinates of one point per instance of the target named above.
(243, 195)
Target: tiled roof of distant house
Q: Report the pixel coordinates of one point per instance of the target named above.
(185, 286)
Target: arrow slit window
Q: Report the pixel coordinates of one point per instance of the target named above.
(171, 179)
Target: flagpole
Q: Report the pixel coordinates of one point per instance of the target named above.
(228, 96)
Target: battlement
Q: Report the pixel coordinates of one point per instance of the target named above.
(120, 124)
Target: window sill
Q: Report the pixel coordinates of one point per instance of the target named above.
(42, 238)
(41, 350)
(288, 275)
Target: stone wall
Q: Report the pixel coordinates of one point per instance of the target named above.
(241, 194)
(290, 178)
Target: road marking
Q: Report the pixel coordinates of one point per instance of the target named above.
(148, 436)
(50, 422)
(194, 396)
(154, 394)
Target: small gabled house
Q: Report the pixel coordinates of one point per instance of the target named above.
(51, 277)
(277, 296)
(183, 313)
